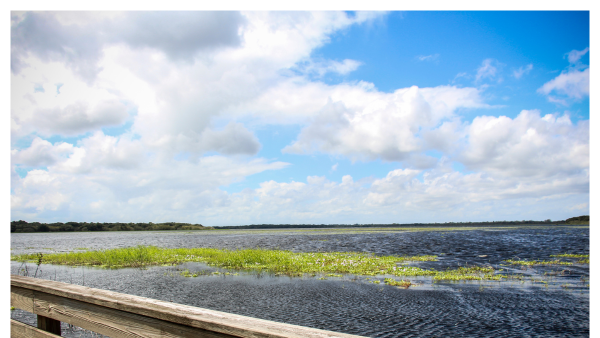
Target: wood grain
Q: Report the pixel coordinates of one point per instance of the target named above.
(48, 324)
(21, 298)
(20, 330)
(111, 322)
(209, 320)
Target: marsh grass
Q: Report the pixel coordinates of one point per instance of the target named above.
(402, 283)
(584, 259)
(273, 261)
(187, 273)
(572, 256)
(537, 262)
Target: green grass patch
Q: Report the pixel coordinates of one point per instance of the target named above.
(402, 283)
(187, 273)
(537, 262)
(571, 256)
(584, 259)
(274, 261)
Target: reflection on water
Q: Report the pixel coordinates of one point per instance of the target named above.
(538, 301)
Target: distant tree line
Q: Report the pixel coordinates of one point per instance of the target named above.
(23, 226)
(578, 220)
(573, 220)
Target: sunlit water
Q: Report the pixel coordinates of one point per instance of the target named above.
(536, 302)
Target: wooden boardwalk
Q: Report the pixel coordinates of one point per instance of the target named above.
(120, 315)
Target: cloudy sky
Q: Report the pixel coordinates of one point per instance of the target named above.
(232, 118)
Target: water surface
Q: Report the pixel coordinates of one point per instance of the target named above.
(524, 307)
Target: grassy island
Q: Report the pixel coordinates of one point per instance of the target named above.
(274, 261)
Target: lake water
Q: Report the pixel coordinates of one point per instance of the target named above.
(523, 307)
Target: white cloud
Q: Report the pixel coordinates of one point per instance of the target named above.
(78, 118)
(175, 102)
(74, 109)
(575, 55)
(487, 70)
(320, 68)
(204, 80)
(401, 196)
(522, 71)
(574, 84)
(129, 185)
(41, 153)
(182, 190)
(432, 57)
(369, 124)
(78, 39)
(528, 146)
(182, 89)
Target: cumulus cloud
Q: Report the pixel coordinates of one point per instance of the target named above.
(78, 118)
(65, 105)
(527, 146)
(129, 183)
(398, 197)
(181, 34)
(202, 81)
(164, 191)
(43, 35)
(232, 140)
(573, 84)
(40, 153)
(79, 43)
(174, 103)
(177, 105)
(180, 86)
(369, 124)
(320, 68)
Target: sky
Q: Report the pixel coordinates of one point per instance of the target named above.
(235, 118)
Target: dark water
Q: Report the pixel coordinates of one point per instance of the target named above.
(353, 304)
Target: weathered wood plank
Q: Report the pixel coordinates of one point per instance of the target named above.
(210, 320)
(111, 322)
(21, 330)
(48, 324)
(21, 298)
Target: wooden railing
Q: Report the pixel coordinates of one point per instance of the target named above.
(120, 315)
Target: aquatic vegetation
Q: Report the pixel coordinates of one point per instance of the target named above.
(571, 256)
(468, 273)
(273, 261)
(187, 273)
(531, 263)
(402, 283)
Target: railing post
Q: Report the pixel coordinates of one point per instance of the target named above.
(48, 324)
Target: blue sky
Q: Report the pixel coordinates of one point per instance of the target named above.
(229, 118)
